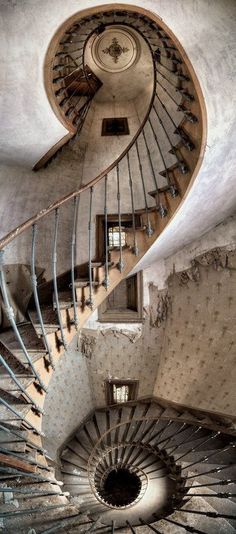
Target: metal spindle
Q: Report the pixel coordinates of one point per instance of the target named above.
(112, 527)
(54, 269)
(185, 527)
(29, 511)
(193, 449)
(106, 279)
(15, 473)
(130, 527)
(149, 526)
(172, 188)
(135, 249)
(19, 385)
(215, 470)
(65, 521)
(205, 458)
(159, 206)
(120, 264)
(195, 431)
(149, 230)
(26, 440)
(73, 251)
(178, 130)
(11, 318)
(181, 164)
(215, 515)
(182, 429)
(90, 300)
(36, 297)
(20, 416)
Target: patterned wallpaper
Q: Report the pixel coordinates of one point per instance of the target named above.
(68, 400)
(198, 360)
(124, 354)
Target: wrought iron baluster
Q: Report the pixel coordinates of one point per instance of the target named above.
(206, 457)
(188, 528)
(130, 527)
(188, 96)
(221, 495)
(112, 527)
(120, 264)
(149, 230)
(15, 473)
(193, 449)
(181, 163)
(106, 279)
(172, 188)
(11, 318)
(195, 431)
(20, 416)
(26, 440)
(215, 470)
(36, 296)
(19, 385)
(135, 249)
(215, 515)
(73, 250)
(90, 300)
(54, 270)
(227, 482)
(29, 511)
(159, 433)
(178, 130)
(29, 460)
(159, 206)
(182, 429)
(66, 521)
(149, 526)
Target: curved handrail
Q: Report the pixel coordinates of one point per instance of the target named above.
(42, 213)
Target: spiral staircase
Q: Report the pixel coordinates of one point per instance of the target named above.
(173, 465)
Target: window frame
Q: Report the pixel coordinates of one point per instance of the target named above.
(133, 390)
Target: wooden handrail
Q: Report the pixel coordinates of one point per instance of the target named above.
(58, 203)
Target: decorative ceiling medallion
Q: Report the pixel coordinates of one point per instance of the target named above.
(116, 49)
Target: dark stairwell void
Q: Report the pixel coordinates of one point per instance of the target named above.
(120, 487)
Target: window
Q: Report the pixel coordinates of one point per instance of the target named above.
(119, 391)
(116, 238)
(125, 303)
(115, 126)
(113, 232)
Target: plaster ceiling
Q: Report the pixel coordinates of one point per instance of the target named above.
(121, 59)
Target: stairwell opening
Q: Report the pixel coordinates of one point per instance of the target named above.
(121, 487)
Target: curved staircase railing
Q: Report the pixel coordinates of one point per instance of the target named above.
(172, 129)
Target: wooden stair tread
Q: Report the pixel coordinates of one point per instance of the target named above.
(12, 361)
(12, 399)
(82, 282)
(50, 320)
(65, 299)
(30, 339)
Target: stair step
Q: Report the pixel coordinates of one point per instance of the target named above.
(65, 300)
(50, 320)
(31, 341)
(12, 361)
(83, 282)
(12, 399)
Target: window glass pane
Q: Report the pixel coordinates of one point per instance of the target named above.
(120, 393)
(114, 237)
